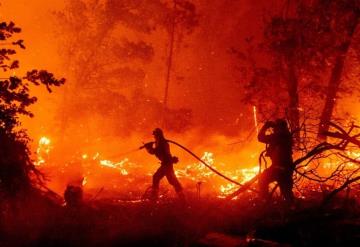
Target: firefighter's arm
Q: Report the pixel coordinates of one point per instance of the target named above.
(262, 137)
(149, 147)
(167, 149)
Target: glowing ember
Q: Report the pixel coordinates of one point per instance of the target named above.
(95, 156)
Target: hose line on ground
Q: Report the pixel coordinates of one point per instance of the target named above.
(204, 163)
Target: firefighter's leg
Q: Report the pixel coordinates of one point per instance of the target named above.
(158, 175)
(171, 177)
(265, 179)
(286, 185)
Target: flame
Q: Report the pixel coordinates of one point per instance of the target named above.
(249, 173)
(119, 165)
(242, 175)
(42, 150)
(95, 156)
(84, 181)
(198, 172)
(44, 141)
(188, 173)
(330, 165)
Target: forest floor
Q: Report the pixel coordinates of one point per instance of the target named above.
(169, 222)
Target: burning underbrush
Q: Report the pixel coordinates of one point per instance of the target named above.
(106, 173)
(128, 175)
(115, 179)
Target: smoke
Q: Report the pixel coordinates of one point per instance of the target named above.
(203, 78)
(205, 111)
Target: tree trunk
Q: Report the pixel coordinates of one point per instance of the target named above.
(293, 111)
(333, 87)
(169, 64)
(334, 83)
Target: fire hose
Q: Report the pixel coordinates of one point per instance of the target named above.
(203, 162)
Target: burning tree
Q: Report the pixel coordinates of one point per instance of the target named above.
(17, 171)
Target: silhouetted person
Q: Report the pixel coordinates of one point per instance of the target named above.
(73, 195)
(160, 148)
(279, 149)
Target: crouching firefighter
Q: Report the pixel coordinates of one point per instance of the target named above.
(161, 149)
(279, 149)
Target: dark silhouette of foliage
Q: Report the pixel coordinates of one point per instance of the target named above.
(307, 48)
(17, 171)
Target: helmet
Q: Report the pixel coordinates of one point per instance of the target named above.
(158, 132)
(281, 123)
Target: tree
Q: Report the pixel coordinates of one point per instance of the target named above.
(306, 47)
(17, 170)
(343, 18)
(103, 61)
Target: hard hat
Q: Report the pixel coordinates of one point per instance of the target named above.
(158, 132)
(281, 123)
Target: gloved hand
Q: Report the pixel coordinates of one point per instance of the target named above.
(175, 159)
(148, 145)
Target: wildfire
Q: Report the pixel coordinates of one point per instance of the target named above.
(108, 163)
(119, 165)
(249, 173)
(198, 172)
(191, 173)
(331, 164)
(43, 150)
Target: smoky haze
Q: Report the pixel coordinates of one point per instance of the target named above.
(113, 95)
(203, 80)
(115, 63)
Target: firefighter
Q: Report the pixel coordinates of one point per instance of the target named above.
(279, 149)
(160, 148)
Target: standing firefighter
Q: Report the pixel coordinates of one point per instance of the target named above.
(160, 148)
(279, 149)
